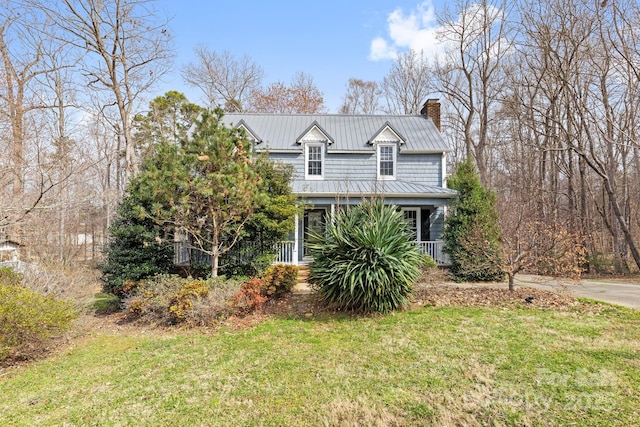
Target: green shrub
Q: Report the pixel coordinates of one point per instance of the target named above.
(183, 300)
(105, 303)
(427, 262)
(9, 277)
(28, 319)
(171, 299)
(272, 221)
(601, 263)
(367, 260)
(279, 279)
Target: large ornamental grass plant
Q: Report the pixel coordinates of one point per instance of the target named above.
(367, 260)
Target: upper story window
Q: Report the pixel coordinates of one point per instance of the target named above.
(314, 161)
(387, 142)
(315, 140)
(386, 161)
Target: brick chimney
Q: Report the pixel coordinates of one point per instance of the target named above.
(431, 109)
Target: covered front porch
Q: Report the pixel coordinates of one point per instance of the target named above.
(424, 218)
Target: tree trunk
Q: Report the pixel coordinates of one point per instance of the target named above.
(613, 200)
(215, 247)
(215, 259)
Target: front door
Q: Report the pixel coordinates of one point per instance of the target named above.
(314, 223)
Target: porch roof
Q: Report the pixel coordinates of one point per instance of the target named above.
(371, 188)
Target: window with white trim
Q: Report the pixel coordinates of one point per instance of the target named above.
(386, 161)
(314, 161)
(412, 218)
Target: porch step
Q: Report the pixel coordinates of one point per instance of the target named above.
(303, 273)
(302, 285)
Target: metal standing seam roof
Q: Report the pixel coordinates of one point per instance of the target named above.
(348, 132)
(370, 188)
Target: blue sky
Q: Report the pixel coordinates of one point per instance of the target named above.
(331, 40)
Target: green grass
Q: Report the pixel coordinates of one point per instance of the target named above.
(105, 303)
(451, 366)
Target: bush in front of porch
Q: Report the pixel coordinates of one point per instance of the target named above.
(367, 260)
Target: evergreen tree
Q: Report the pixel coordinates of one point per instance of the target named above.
(206, 186)
(471, 232)
(137, 247)
(271, 222)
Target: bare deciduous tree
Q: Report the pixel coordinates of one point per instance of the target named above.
(362, 97)
(408, 84)
(300, 97)
(470, 75)
(22, 62)
(536, 246)
(225, 80)
(128, 51)
(579, 94)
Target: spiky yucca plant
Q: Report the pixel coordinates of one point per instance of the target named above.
(367, 260)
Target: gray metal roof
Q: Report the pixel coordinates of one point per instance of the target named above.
(348, 132)
(370, 188)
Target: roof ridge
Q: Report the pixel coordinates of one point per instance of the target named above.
(322, 115)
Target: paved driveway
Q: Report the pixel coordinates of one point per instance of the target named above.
(615, 292)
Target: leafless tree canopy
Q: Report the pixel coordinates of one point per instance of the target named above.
(224, 79)
(70, 148)
(408, 84)
(128, 51)
(570, 111)
(472, 73)
(362, 97)
(300, 97)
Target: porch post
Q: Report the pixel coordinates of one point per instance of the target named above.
(296, 242)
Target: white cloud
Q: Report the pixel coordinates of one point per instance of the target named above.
(381, 50)
(416, 31)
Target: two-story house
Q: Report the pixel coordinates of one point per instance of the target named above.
(341, 159)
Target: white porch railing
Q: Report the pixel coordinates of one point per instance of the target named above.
(435, 250)
(286, 252)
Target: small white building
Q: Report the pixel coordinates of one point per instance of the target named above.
(9, 256)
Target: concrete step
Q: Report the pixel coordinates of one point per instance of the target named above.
(303, 273)
(302, 285)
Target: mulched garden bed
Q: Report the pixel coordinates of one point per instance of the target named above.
(488, 296)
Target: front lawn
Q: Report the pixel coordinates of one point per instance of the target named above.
(442, 366)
